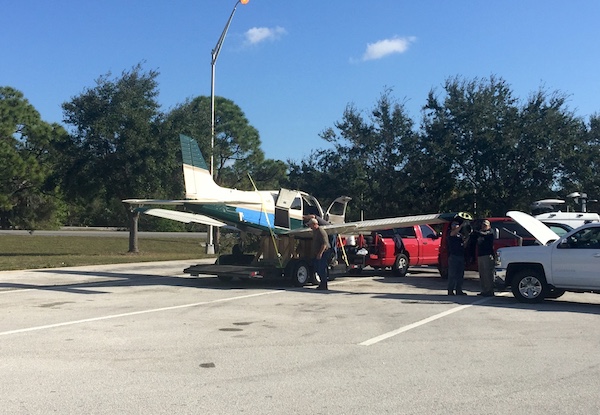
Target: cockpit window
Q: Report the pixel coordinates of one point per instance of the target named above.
(311, 206)
(297, 203)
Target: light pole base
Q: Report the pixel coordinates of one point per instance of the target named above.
(210, 249)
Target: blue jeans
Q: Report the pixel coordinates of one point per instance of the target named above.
(320, 267)
(456, 272)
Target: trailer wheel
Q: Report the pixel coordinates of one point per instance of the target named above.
(298, 272)
(400, 267)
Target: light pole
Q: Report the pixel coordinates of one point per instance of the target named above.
(210, 247)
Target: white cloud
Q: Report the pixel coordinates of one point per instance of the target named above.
(386, 47)
(257, 35)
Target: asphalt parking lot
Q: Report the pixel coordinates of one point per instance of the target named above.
(147, 338)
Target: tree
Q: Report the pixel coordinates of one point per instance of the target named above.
(117, 149)
(551, 138)
(368, 160)
(29, 197)
(499, 155)
(471, 132)
(237, 152)
(591, 181)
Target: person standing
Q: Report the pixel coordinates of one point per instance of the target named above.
(485, 258)
(320, 245)
(333, 254)
(456, 259)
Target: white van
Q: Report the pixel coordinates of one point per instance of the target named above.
(548, 210)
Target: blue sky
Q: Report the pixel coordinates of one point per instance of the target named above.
(294, 66)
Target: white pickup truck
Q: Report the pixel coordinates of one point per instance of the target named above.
(559, 264)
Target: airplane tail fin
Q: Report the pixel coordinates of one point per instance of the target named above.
(190, 151)
(196, 174)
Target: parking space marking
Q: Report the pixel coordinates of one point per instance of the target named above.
(420, 323)
(134, 313)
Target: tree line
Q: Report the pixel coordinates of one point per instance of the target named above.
(476, 148)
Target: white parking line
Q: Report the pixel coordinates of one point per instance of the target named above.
(21, 290)
(393, 333)
(133, 313)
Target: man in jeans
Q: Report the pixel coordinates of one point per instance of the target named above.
(456, 259)
(320, 245)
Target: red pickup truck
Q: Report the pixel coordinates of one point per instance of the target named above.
(397, 249)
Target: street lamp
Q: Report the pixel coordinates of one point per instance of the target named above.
(210, 247)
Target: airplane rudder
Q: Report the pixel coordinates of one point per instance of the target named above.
(190, 152)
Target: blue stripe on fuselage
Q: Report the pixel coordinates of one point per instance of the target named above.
(257, 217)
(231, 214)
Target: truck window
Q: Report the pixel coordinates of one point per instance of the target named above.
(585, 239)
(514, 228)
(408, 232)
(427, 232)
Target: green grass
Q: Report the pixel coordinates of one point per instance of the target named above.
(41, 251)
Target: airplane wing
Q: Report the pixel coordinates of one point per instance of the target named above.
(388, 223)
(190, 201)
(153, 202)
(184, 217)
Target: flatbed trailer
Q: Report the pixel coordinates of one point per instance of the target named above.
(299, 273)
(282, 257)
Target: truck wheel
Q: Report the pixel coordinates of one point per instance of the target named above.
(529, 286)
(400, 267)
(298, 271)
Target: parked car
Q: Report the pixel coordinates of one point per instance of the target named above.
(396, 249)
(563, 263)
(558, 228)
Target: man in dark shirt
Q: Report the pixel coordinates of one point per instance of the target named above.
(456, 259)
(320, 245)
(485, 258)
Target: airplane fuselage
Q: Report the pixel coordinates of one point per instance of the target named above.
(273, 213)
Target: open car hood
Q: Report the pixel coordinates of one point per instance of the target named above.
(535, 227)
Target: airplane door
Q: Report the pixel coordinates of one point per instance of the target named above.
(285, 199)
(336, 213)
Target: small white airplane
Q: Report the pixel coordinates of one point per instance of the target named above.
(281, 212)
(278, 215)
